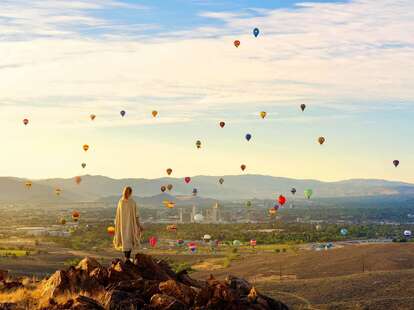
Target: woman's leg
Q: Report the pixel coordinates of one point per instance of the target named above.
(127, 254)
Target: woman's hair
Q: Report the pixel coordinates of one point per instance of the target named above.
(127, 192)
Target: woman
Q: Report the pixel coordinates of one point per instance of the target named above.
(127, 226)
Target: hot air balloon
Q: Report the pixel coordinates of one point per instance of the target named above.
(111, 230)
(198, 144)
(198, 218)
(154, 113)
(396, 163)
(153, 241)
(407, 233)
(92, 116)
(58, 191)
(248, 137)
(276, 207)
(236, 243)
(243, 167)
(318, 227)
(170, 205)
(293, 191)
(172, 228)
(195, 191)
(169, 187)
(122, 113)
(180, 242)
(192, 246)
(321, 140)
(62, 221)
(272, 211)
(256, 32)
(253, 243)
(78, 179)
(221, 180)
(25, 121)
(85, 147)
(75, 216)
(303, 107)
(308, 193)
(163, 188)
(237, 43)
(28, 184)
(281, 200)
(222, 124)
(248, 204)
(169, 171)
(83, 165)
(344, 231)
(206, 237)
(263, 114)
(187, 180)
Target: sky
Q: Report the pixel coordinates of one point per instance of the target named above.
(351, 62)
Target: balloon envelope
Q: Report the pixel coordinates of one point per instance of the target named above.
(154, 113)
(111, 230)
(344, 231)
(122, 113)
(187, 180)
(85, 147)
(221, 181)
(153, 241)
(248, 137)
(321, 140)
(78, 180)
(256, 32)
(243, 167)
(163, 189)
(198, 144)
(237, 43)
(293, 191)
(28, 184)
(263, 114)
(92, 116)
(308, 193)
(169, 187)
(25, 121)
(83, 165)
(222, 124)
(396, 163)
(303, 107)
(236, 243)
(407, 233)
(169, 171)
(282, 200)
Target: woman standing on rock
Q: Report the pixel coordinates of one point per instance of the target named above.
(128, 229)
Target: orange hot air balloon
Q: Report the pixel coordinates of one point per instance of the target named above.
(28, 184)
(169, 187)
(92, 116)
(75, 216)
(62, 221)
(321, 140)
(169, 171)
(25, 121)
(85, 147)
(154, 113)
(111, 230)
(170, 205)
(172, 228)
(263, 114)
(243, 167)
(237, 43)
(58, 191)
(78, 179)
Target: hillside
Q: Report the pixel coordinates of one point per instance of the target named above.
(235, 187)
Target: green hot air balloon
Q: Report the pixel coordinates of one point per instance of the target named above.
(248, 204)
(308, 193)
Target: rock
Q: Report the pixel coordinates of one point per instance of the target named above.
(242, 286)
(3, 275)
(121, 300)
(184, 278)
(88, 264)
(100, 274)
(165, 302)
(150, 270)
(120, 271)
(179, 291)
(86, 303)
(252, 297)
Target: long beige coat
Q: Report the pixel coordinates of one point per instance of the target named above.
(127, 226)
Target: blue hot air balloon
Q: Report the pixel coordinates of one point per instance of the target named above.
(122, 113)
(256, 32)
(248, 137)
(344, 231)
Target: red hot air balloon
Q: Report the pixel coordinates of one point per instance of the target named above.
(187, 180)
(153, 241)
(25, 121)
(222, 124)
(237, 43)
(282, 200)
(243, 167)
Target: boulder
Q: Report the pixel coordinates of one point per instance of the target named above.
(122, 300)
(88, 264)
(151, 270)
(179, 291)
(165, 302)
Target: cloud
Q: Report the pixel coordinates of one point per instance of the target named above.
(343, 55)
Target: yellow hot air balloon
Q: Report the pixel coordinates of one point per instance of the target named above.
(92, 116)
(111, 230)
(321, 140)
(28, 185)
(263, 114)
(154, 113)
(85, 147)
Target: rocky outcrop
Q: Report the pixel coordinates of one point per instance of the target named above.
(144, 284)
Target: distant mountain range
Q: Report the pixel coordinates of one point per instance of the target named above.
(235, 187)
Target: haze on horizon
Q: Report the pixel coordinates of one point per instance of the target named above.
(350, 62)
